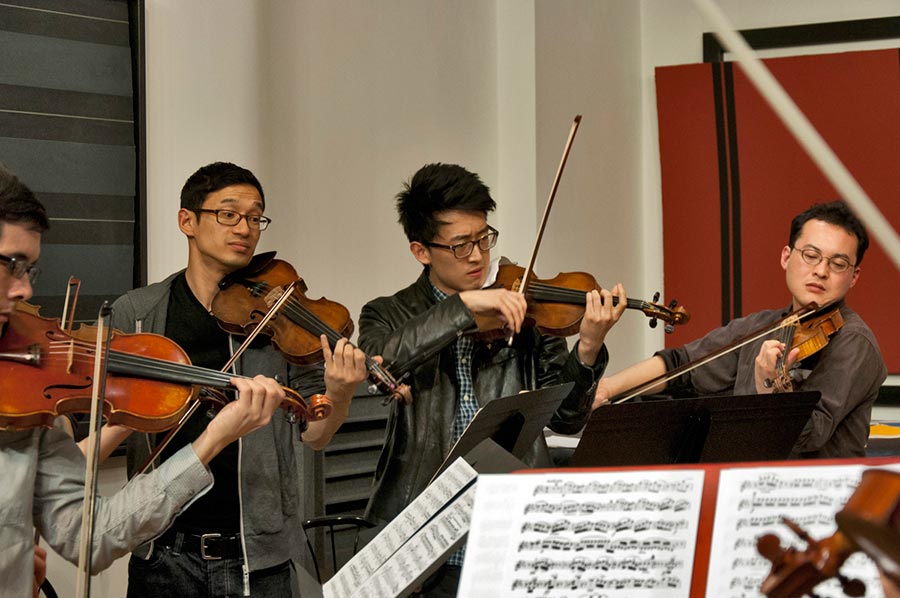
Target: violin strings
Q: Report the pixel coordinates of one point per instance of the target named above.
(546, 292)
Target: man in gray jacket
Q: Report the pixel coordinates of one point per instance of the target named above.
(242, 536)
(43, 470)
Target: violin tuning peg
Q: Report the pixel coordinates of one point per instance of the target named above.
(673, 303)
(652, 322)
(655, 296)
(372, 389)
(669, 328)
(291, 417)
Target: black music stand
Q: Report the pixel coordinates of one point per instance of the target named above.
(712, 429)
(513, 422)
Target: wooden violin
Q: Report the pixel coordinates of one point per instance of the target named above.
(869, 521)
(808, 337)
(246, 296)
(45, 372)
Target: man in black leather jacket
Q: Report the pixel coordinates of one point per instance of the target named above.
(443, 210)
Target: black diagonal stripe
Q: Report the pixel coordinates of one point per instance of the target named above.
(102, 9)
(42, 100)
(63, 128)
(64, 26)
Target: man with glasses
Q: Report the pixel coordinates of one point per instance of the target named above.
(821, 263)
(422, 330)
(242, 535)
(43, 471)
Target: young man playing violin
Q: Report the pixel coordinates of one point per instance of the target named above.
(422, 329)
(241, 536)
(821, 263)
(43, 470)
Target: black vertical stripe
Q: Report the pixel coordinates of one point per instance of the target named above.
(724, 204)
(735, 173)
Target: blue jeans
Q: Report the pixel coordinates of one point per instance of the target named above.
(171, 574)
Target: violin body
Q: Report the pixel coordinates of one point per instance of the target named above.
(556, 305)
(808, 337)
(45, 372)
(244, 299)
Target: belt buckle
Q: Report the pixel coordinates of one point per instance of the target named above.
(203, 554)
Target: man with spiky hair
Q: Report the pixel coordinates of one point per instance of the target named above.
(423, 328)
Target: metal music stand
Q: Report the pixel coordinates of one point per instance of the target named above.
(711, 429)
(513, 422)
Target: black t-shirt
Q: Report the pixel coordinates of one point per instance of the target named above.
(190, 325)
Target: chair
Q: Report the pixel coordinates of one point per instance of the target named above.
(351, 521)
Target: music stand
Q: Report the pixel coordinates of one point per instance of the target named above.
(513, 422)
(712, 429)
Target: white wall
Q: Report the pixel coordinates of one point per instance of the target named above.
(334, 103)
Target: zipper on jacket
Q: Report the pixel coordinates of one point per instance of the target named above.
(245, 567)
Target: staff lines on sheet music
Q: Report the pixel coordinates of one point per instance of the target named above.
(610, 545)
(610, 527)
(771, 482)
(599, 582)
(605, 563)
(562, 488)
(571, 507)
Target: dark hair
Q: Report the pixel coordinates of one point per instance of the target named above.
(838, 214)
(436, 188)
(212, 177)
(19, 205)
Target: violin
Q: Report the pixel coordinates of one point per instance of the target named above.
(869, 521)
(556, 305)
(809, 337)
(45, 372)
(246, 296)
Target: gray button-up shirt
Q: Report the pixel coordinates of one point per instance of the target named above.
(848, 372)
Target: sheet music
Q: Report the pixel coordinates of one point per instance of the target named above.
(611, 535)
(436, 539)
(359, 569)
(751, 503)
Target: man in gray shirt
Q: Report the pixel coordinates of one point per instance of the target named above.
(821, 263)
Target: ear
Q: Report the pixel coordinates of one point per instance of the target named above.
(420, 252)
(785, 254)
(855, 277)
(187, 221)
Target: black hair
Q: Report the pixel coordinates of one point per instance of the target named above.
(213, 177)
(838, 214)
(436, 188)
(19, 205)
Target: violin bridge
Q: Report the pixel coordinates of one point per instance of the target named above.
(70, 357)
(274, 295)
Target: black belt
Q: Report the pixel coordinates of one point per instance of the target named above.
(210, 547)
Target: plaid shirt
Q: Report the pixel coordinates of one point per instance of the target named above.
(466, 405)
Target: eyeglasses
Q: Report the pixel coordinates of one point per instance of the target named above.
(465, 249)
(232, 218)
(19, 268)
(814, 257)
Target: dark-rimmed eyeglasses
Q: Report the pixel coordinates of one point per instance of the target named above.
(232, 218)
(19, 268)
(465, 249)
(812, 256)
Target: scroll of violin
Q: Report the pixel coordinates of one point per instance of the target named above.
(870, 521)
(45, 372)
(556, 305)
(246, 296)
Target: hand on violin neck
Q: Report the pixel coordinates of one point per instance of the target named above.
(258, 398)
(496, 308)
(600, 315)
(772, 366)
(345, 368)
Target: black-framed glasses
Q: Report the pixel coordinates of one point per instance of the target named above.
(465, 249)
(232, 218)
(19, 268)
(812, 256)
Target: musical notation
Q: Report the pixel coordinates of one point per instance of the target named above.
(752, 502)
(591, 534)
